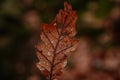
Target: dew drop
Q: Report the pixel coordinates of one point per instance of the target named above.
(44, 62)
(52, 42)
(47, 64)
(71, 29)
(54, 24)
(67, 51)
(64, 64)
(68, 45)
(39, 63)
(72, 49)
(42, 69)
(49, 54)
(39, 67)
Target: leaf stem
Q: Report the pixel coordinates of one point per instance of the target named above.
(55, 49)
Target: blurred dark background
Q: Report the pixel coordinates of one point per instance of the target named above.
(98, 27)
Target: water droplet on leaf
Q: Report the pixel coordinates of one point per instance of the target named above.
(64, 64)
(42, 69)
(49, 54)
(44, 62)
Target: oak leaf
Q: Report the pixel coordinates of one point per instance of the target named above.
(57, 42)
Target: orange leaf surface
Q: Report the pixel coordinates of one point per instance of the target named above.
(57, 42)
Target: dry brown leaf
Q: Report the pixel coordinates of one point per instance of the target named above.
(57, 43)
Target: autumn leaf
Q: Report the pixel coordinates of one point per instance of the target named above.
(57, 42)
